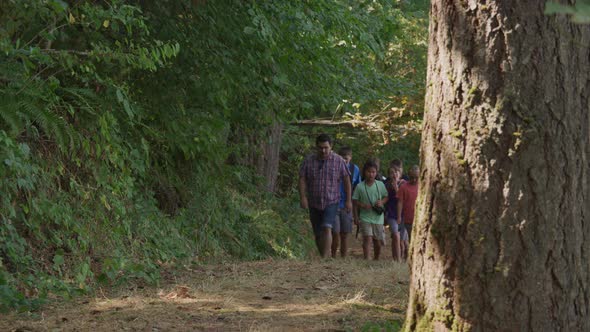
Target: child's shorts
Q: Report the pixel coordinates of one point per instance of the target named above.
(343, 222)
(374, 230)
(403, 234)
(394, 227)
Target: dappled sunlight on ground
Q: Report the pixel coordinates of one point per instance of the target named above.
(278, 295)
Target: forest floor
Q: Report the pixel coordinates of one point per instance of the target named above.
(275, 294)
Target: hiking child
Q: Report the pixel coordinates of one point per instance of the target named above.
(343, 223)
(370, 197)
(379, 176)
(393, 182)
(319, 190)
(406, 200)
(399, 164)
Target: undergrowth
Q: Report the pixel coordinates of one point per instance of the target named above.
(130, 131)
(67, 228)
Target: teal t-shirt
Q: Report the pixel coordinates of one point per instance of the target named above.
(369, 195)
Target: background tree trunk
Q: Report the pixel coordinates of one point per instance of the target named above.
(266, 156)
(502, 226)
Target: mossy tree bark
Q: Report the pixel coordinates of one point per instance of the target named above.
(503, 222)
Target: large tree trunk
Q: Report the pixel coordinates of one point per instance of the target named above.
(265, 154)
(503, 223)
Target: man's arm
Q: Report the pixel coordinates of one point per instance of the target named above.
(303, 192)
(348, 190)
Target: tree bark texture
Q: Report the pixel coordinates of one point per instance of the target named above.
(502, 230)
(266, 153)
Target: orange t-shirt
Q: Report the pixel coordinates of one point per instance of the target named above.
(408, 193)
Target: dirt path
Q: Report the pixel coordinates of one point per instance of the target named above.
(277, 295)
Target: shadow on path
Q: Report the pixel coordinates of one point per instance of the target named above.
(274, 294)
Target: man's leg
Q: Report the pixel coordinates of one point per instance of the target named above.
(326, 242)
(318, 244)
(328, 219)
(315, 216)
(335, 234)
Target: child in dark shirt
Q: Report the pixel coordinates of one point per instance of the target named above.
(393, 182)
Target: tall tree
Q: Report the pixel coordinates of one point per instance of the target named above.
(502, 227)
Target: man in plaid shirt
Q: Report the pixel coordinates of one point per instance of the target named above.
(319, 190)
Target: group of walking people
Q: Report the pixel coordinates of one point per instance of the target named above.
(338, 194)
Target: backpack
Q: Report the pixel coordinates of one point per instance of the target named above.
(351, 170)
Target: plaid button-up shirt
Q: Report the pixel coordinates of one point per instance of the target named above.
(322, 178)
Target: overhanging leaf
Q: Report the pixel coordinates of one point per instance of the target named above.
(556, 8)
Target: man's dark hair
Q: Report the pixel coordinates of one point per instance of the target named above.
(345, 150)
(323, 138)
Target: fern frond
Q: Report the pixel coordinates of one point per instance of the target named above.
(85, 99)
(10, 115)
(51, 123)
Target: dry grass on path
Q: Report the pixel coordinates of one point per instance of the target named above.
(277, 295)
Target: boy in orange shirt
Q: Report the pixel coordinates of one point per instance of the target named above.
(406, 201)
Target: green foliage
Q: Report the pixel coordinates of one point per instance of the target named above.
(124, 127)
(579, 12)
(406, 149)
(391, 119)
(10, 298)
